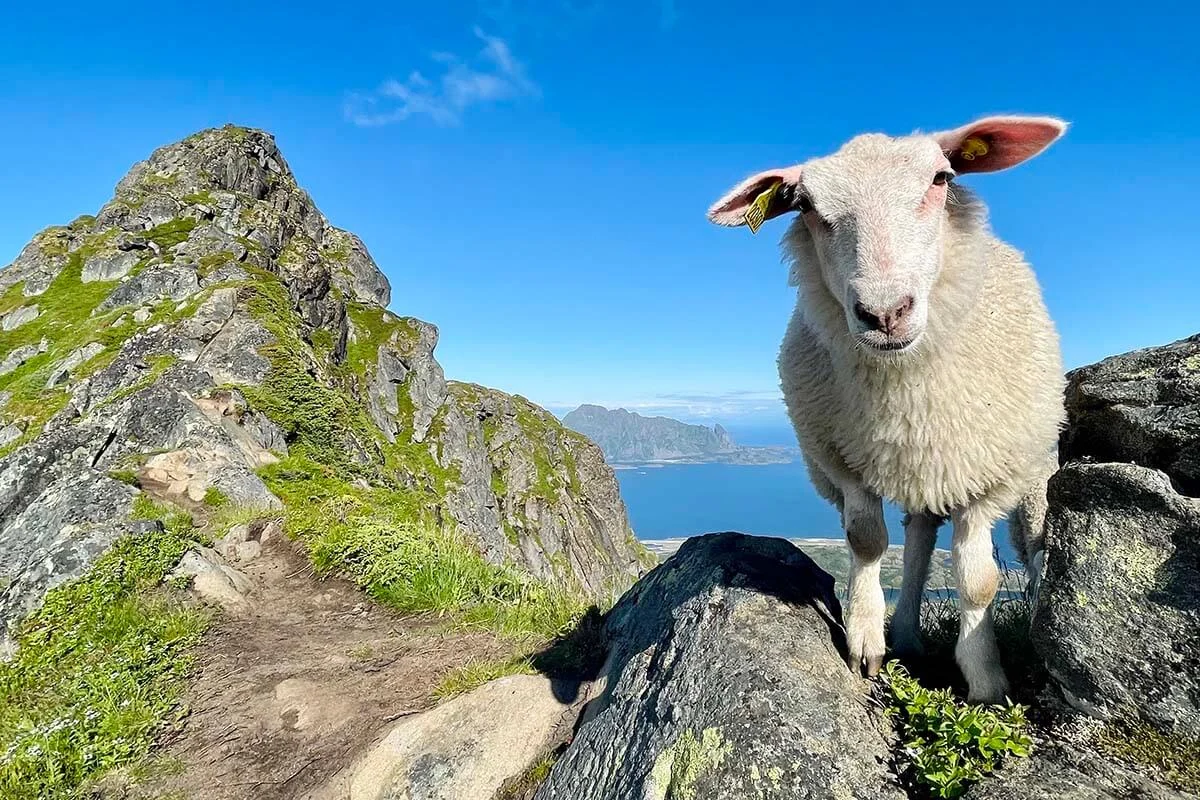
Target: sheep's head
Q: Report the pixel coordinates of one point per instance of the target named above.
(873, 216)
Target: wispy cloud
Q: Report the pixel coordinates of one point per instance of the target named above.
(492, 75)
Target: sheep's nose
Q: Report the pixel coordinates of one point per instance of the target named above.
(887, 321)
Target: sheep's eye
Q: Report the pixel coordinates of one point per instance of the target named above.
(941, 178)
(803, 204)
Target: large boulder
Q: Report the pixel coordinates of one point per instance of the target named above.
(464, 749)
(1140, 408)
(1118, 613)
(726, 680)
(1123, 542)
(1069, 771)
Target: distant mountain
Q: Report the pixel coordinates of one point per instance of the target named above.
(625, 436)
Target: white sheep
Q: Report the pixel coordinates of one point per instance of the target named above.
(920, 365)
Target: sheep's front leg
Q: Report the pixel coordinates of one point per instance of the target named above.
(975, 571)
(920, 533)
(866, 533)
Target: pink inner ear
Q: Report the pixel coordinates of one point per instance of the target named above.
(731, 209)
(1009, 141)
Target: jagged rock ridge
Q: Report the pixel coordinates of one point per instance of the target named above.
(152, 347)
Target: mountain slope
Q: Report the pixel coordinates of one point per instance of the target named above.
(626, 436)
(209, 339)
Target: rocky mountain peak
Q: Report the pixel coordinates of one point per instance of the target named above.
(209, 334)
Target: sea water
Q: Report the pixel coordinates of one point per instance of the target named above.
(679, 500)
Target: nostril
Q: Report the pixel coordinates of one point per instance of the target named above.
(901, 311)
(873, 320)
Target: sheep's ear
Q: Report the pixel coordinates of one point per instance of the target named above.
(757, 199)
(996, 143)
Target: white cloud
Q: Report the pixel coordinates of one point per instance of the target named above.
(493, 75)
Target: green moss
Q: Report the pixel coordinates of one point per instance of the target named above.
(215, 498)
(159, 180)
(124, 475)
(202, 197)
(947, 746)
(172, 232)
(208, 264)
(67, 321)
(499, 486)
(371, 328)
(99, 670)
(677, 769)
(1171, 759)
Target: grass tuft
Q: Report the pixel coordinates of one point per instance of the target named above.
(481, 671)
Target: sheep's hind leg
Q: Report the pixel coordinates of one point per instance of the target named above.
(975, 571)
(920, 533)
(866, 533)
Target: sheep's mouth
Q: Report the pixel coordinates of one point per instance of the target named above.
(893, 346)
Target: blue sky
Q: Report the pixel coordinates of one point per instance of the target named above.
(533, 176)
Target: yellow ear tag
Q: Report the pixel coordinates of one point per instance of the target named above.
(756, 214)
(974, 147)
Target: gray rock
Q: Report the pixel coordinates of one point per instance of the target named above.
(461, 750)
(726, 680)
(215, 581)
(62, 370)
(18, 356)
(1069, 772)
(109, 266)
(210, 316)
(155, 282)
(18, 317)
(37, 265)
(231, 356)
(1118, 612)
(559, 499)
(382, 401)
(10, 433)
(1142, 408)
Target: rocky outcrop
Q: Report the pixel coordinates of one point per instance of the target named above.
(1067, 770)
(464, 749)
(209, 324)
(1123, 555)
(1123, 542)
(726, 678)
(1140, 408)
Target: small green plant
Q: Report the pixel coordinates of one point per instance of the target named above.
(215, 498)
(948, 745)
(98, 670)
